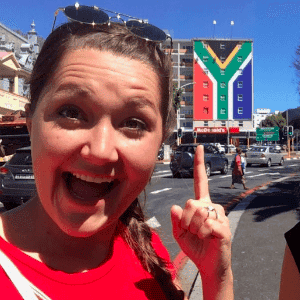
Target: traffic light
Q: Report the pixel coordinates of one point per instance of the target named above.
(195, 134)
(285, 129)
(291, 129)
(179, 133)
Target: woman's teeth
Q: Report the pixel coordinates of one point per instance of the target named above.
(92, 179)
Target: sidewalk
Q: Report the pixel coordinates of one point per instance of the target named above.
(258, 224)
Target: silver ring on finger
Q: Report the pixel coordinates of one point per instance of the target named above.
(211, 208)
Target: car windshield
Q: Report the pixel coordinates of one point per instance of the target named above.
(258, 149)
(189, 149)
(21, 158)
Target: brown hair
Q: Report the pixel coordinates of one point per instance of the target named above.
(239, 150)
(117, 40)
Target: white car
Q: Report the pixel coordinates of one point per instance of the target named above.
(231, 148)
(220, 147)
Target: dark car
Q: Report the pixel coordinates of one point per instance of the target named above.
(244, 148)
(182, 161)
(17, 179)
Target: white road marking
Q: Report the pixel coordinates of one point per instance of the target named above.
(258, 175)
(159, 191)
(225, 176)
(248, 172)
(293, 165)
(165, 171)
(162, 175)
(279, 167)
(274, 173)
(153, 223)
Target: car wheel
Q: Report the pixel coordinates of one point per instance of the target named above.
(207, 169)
(9, 206)
(269, 164)
(281, 161)
(225, 168)
(176, 175)
(248, 165)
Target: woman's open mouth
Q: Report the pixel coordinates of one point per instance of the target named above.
(88, 190)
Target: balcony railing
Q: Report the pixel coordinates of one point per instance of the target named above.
(12, 101)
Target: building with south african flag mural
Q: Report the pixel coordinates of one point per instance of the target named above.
(223, 90)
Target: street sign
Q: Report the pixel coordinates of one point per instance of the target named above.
(267, 134)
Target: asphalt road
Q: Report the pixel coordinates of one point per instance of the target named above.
(164, 191)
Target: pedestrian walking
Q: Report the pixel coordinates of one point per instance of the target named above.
(100, 108)
(238, 171)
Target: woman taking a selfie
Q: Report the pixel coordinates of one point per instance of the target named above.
(100, 109)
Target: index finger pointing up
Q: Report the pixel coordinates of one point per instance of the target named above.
(200, 178)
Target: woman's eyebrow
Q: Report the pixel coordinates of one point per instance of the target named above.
(140, 103)
(72, 90)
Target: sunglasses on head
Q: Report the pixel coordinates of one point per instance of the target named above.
(97, 16)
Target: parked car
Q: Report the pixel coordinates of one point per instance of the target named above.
(264, 155)
(230, 148)
(182, 162)
(220, 147)
(17, 183)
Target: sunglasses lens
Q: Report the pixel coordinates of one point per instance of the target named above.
(146, 31)
(86, 14)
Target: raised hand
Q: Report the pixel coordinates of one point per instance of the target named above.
(202, 229)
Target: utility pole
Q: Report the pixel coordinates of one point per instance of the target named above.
(288, 136)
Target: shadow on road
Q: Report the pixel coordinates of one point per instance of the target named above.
(282, 197)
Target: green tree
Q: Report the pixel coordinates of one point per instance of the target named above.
(176, 96)
(273, 121)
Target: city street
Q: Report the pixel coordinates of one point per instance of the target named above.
(164, 191)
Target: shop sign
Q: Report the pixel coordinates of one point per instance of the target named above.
(211, 130)
(216, 130)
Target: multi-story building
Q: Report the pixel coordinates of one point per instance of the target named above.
(17, 56)
(260, 115)
(223, 93)
(217, 80)
(182, 57)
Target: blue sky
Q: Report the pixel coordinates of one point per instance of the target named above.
(273, 26)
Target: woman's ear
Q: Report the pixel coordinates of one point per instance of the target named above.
(28, 117)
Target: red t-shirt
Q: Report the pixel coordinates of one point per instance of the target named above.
(120, 277)
(238, 166)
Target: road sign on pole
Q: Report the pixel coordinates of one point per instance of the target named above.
(267, 134)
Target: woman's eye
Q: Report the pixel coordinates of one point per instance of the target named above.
(71, 113)
(135, 124)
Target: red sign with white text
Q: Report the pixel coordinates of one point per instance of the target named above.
(216, 130)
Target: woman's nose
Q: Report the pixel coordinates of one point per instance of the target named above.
(100, 145)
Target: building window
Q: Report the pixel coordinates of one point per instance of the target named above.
(205, 97)
(205, 110)
(241, 123)
(223, 84)
(223, 123)
(223, 97)
(240, 97)
(222, 72)
(205, 58)
(240, 84)
(239, 58)
(223, 111)
(222, 46)
(240, 110)
(222, 58)
(205, 123)
(241, 71)
(205, 71)
(205, 84)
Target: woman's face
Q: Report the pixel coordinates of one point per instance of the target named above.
(95, 135)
